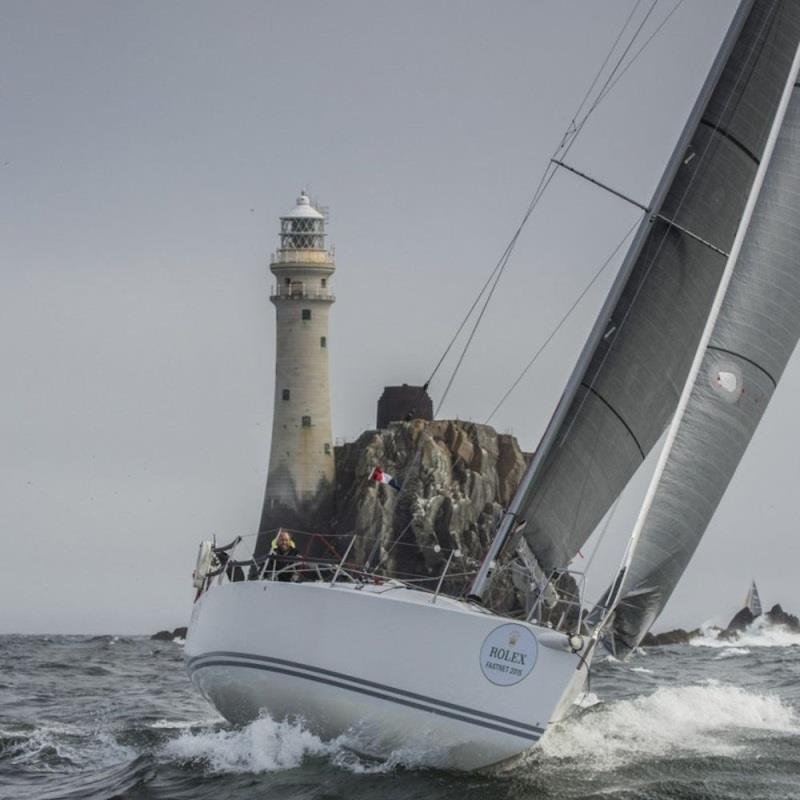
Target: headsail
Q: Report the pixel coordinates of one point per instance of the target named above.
(753, 336)
(629, 378)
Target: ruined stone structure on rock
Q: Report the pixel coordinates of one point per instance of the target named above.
(402, 404)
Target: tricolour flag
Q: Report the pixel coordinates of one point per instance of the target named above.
(383, 477)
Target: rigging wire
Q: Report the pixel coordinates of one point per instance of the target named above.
(563, 319)
(636, 55)
(571, 129)
(567, 141)
(610, 83)
(613, 47)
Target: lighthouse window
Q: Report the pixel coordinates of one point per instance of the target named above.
(306, 313)
(324, 282)
(306, 422)
(327, 449)
(286, 394)
(323, 341)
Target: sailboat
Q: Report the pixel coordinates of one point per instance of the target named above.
(753, 602)
(687, 351)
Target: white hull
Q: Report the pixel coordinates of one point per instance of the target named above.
(383, 665)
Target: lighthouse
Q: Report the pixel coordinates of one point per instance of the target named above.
(299, 491)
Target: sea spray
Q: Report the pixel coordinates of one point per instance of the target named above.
(760, 633)
(669, 722)
(262, 746)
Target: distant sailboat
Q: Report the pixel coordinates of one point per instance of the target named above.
(753, 601)
(691, 341)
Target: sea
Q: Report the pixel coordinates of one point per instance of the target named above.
(94, 717)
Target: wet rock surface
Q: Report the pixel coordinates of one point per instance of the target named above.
(677, 636)
(169, 636)
(777, 616)
(456, 478)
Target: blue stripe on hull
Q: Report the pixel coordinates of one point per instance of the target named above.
(420, 702)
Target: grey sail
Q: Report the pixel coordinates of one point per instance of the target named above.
(626, 386)
(753, 337)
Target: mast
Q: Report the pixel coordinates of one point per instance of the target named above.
(511, 520)
(656, 481)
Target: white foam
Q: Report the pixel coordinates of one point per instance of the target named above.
(641, 669)
(760, 633)
(586, 700)
(730, 652)
(262, 746)
(412, 757)
(168, 724)
(684, 720)
(269, 746)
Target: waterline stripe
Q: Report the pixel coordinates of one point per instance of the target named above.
(362, 681)
(318, 679)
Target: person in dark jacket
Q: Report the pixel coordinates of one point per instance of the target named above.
(282, 556)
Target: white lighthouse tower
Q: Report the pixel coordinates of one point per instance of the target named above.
(299, 490)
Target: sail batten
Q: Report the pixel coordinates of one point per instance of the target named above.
(630, 377)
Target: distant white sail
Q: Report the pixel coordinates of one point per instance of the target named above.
(753, 603)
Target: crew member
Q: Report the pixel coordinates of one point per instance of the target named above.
(282, 556)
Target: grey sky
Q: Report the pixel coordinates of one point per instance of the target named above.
(147, 152)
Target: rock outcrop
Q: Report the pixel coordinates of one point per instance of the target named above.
(677, 636)
(740, 622)
(170, 636)
(777, 616)
(456, 478)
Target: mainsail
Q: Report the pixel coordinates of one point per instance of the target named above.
(754, 334)
(628, 381)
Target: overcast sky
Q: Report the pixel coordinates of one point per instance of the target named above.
(147, 150)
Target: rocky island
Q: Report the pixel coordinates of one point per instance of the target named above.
(740, 622)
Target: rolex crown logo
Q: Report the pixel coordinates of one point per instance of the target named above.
(513, 638)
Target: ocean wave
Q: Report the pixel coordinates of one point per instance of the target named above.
(760, 633)
(668, 722)
(731, 652)
(59, 747)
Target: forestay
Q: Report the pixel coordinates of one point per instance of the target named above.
(630, 376)
(754, 335)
